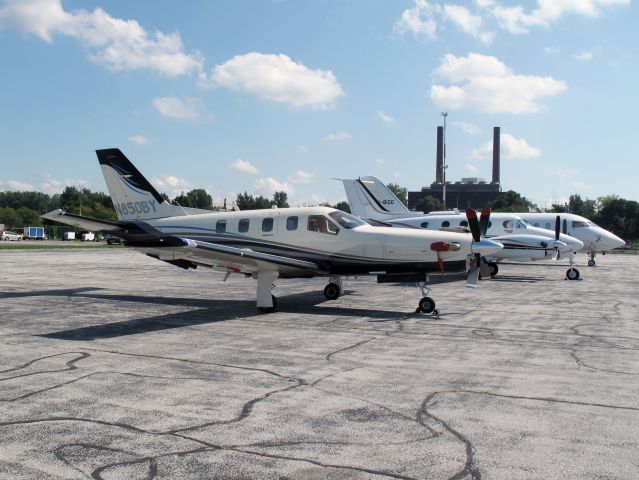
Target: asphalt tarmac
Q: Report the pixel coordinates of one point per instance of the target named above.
(115, 365)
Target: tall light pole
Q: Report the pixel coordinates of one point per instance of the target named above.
(444, 166)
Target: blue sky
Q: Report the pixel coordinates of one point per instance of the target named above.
(275, 94)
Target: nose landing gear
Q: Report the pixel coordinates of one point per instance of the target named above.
(426, 304)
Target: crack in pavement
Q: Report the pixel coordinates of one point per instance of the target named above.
(350, 347)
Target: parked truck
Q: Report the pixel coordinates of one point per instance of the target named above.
(34, 233)
(68, 236)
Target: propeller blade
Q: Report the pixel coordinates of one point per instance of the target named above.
(483, 221)
(473, 223)
(473, 277)
(557, 227)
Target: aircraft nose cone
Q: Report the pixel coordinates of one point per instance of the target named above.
(615, 242)
(486, 247)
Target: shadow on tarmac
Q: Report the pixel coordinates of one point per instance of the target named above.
(206, 311)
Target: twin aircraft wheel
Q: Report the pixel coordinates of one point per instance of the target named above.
(427, 305)
(572, 274)
(331, 291)
(591, 263)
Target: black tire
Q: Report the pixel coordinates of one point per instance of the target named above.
(591, 263)
(269, 309)
(426, 305)
(493, 269)
(331, 291)
(572, 274)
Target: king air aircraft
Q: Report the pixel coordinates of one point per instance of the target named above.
(370, 199)
(276, 243)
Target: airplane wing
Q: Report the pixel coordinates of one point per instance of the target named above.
(85, 223)
(223, 257)
(186, 252)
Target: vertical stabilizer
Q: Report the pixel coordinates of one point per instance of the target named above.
(368, 197)
(134, 198)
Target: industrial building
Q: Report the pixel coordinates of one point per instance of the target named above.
(470, 192)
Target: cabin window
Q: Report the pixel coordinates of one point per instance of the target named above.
(490, 224)
(536, 224)
(346, 220)
(424, 225)
(243, 226)
(463, 223)
(445, 224)
(321, 224)
(508, 224)
(291, 223)
(220, 226)
(267, 225)
(548, 226)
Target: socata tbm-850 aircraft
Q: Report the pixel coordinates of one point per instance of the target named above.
(267, 244)
(369, 198)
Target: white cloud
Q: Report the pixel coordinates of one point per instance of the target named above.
(467, 22)
(516, 20)
(551, 50)
(419, 20)
(301, 177)
(470, 168)
(171, 185)
(268, 186)
(113, 42)
(584, 56)
(488, 85)
(510, 147)
(139, 139)
(53, 185)
(469, 128)
(397, 174)
(303, 148)
(387, 119)
(18, 186)
(379, 162)
(173, 107)
(243, 166)
(337, 136)
(277, 78)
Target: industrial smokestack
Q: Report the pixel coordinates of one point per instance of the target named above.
(496, 135)
(439, 164)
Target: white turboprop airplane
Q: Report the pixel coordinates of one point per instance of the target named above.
(370, 199)
(267, 244)
(595, 239)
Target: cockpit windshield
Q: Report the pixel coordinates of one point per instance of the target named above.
(579, 224)
(346, 220)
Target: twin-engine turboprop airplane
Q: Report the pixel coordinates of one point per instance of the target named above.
(595, 239)
(269, 244)
(370, 199)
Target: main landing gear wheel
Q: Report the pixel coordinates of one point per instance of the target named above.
(572, 274)
(331, 291)
(427, 305)
(269, 309)
(591, 263)
(493, 269)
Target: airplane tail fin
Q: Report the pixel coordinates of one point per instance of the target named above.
(134, 198)
(368, 197)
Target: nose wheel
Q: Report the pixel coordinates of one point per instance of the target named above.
(426, 304)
